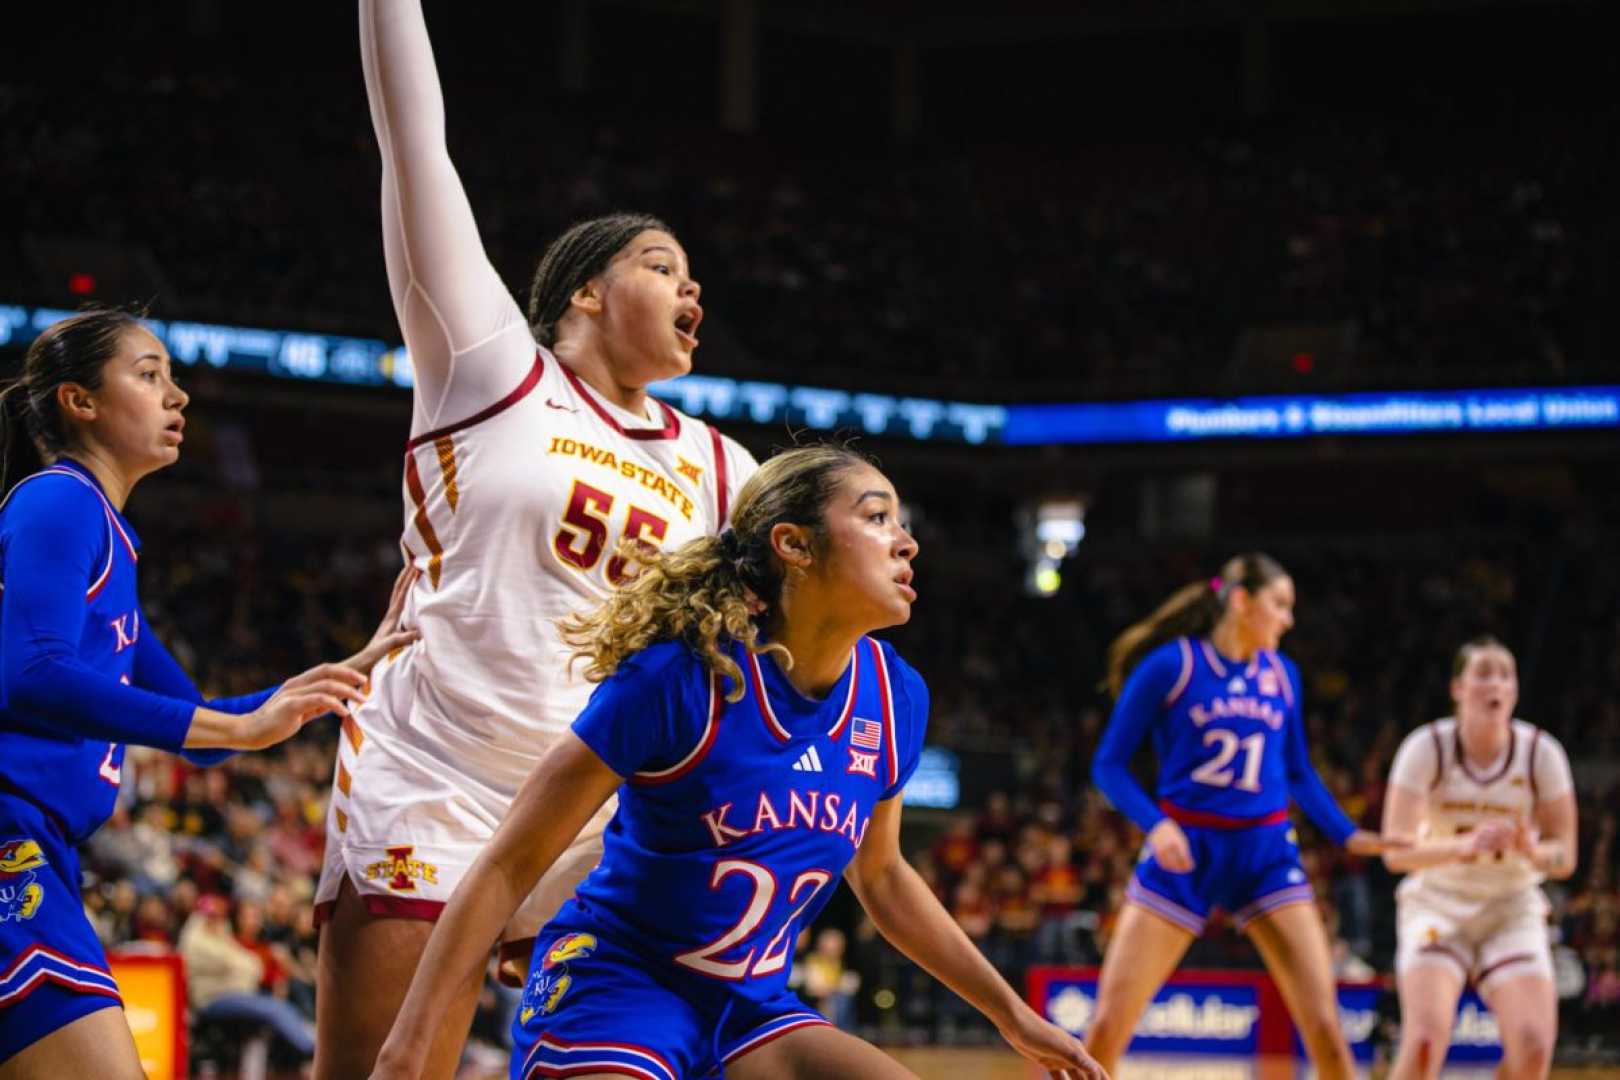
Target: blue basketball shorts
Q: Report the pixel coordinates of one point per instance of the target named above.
(1246, 872)
(593, 1006)
(53, 969)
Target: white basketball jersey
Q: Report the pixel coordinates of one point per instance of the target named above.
(1461, 798)
(514, 516)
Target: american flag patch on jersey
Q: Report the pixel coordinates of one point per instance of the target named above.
(867, 733)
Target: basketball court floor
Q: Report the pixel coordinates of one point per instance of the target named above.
(983, 1064)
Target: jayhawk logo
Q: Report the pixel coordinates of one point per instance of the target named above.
(20, 893)
(548, 985)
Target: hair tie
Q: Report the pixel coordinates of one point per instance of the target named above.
(731, 545)
(1217, 584)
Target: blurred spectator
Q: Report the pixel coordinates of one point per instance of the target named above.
(224, 977)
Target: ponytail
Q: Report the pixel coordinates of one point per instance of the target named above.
(1190, 611)
(19, 451)
(694, 594)
(713, 590)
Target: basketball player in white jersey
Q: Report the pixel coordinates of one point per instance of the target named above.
(1490, 802)
(535, 449)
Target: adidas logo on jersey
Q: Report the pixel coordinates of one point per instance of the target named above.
(809, 761)
(1235, 686)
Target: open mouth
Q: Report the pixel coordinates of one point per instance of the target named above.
(686, 324)
(177, 428)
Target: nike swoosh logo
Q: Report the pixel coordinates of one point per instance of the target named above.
(553, 405)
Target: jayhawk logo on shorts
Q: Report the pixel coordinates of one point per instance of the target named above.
(548, 985)
(20, 894)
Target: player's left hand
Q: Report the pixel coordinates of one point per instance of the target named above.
(1525, 837)
(391, 634)
(1048, 1045)
(1367, 842)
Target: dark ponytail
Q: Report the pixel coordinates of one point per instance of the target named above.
(572, 259)
(1190, 611)
(74, 350)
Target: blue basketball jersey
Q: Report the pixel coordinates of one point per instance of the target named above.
(1229, 737)
(737, 820)
(74, 779)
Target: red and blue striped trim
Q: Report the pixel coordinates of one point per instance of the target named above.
(37, 965)
(769, 1032)
(1292, 894)
(717, 705)
(113, 524)
(1164, 907)
(1186, 672)
(773, 725)
(553, 1056)
(886, 694)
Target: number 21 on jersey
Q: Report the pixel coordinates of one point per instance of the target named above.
(1218, 771)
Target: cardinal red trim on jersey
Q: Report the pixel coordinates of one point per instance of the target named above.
(722, 497)
(887, 695)
(424, 526)
(530, 381)
(1535, 740)
(672, 423)
(1447, 953)
(389, 907)
(1516, 958)
(717, 705)
(1507, 759)
(1204, 819)
(1439, 756)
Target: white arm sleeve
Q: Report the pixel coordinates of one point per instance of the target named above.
(1415, 762)
(1550, 770)
(468, 341)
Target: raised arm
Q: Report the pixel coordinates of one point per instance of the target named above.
(468, 341)
(565, 789)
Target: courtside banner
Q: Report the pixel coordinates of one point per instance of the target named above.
(154, 990)
(1241, 1013)
(1196, 1012)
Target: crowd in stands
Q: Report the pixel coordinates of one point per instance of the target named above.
(221, 863)
(1420, 249)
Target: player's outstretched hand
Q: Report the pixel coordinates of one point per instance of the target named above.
(1367, 842)
(1048, 1045)
(1170, 847)
(326, 688)
(391, 634)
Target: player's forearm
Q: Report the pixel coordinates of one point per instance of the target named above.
(1426, 853)
(63, 693)
(912, 919)
(1554, 858)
